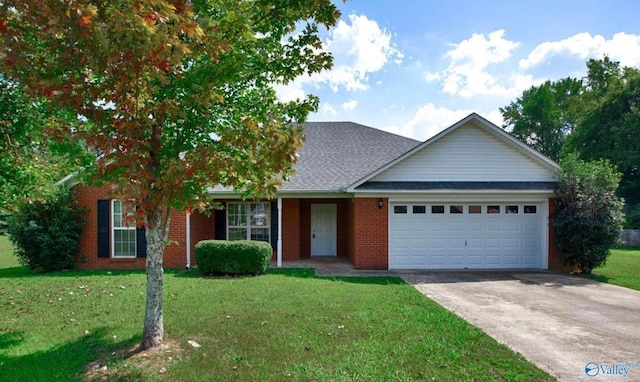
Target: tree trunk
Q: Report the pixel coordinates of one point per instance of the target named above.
(156, 233)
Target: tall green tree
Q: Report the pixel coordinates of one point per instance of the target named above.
(176, 95)
(610, 126)
(544, 115)
(29, 163)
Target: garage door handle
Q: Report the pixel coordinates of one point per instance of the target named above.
(465, 243)
(313, 236)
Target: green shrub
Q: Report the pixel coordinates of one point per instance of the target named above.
(232, 257)
(589, 218)
(46, 232)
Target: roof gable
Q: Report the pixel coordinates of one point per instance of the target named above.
(472, 150)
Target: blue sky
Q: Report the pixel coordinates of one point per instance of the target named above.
(414, 67)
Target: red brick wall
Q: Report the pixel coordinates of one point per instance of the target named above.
(361, 232)
(290, 229)
(87, 257)
(370, 234)
(202, 228)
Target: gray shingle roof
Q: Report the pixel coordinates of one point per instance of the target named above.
(338, 154)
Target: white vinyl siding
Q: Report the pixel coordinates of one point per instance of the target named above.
(249, 221)
(124, 235)
(469, 154)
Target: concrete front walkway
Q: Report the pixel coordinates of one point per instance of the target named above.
(559, 322)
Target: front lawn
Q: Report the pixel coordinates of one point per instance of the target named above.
(286, 325)
(622, 268)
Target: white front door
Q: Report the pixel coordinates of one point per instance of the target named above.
(323, 229)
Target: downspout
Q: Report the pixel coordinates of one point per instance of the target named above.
(279, 245)
(188, 220)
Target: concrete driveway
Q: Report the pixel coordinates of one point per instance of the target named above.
(566, 325)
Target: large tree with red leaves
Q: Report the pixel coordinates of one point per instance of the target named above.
(175, 95)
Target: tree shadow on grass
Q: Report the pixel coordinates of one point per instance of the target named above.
(69, 361)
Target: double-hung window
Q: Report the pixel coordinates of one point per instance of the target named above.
(124, 235)
(249, 221)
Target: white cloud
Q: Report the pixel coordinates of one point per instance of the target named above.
(359, 47)
(621, 47)
(469, 74)
(328, 108)
(349, 105)
(290, 92)
(431, 119)
(358, 50)
(428, 121)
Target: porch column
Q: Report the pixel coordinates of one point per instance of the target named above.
(188, 239)
(279, 245)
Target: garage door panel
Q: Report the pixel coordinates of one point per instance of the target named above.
(492, 261)
(475, 243)
(512, 226)
(512, 259)
(456, 243)
(438, 243)
(475, 259)
(438, 261)
(512, 243)
(494, 226)
(457, 260)
(454, 240)
(494, 243)
(438, 226)
(456, 227)
(474, 226)
(419, 243)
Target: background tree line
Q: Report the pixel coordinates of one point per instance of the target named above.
(595, 118)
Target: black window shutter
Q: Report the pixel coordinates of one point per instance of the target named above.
(220, 218)
(274, 226)
(103, 228)
(141, 243)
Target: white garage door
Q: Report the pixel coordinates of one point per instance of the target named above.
(465, 235)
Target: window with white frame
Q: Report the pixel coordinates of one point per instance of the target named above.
(124, 235)
(249, 221)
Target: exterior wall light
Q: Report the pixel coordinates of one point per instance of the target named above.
(380, 203)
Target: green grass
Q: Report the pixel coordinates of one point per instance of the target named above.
(7, 258)
(622, 268)
(286, 325)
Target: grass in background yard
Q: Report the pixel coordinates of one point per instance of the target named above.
(286, 325)
(7, 258)
(622, 268)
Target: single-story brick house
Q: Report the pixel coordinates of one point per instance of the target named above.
(472, 196)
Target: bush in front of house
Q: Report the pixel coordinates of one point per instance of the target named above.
(589, 218)
(46, 232)
(219, 257)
